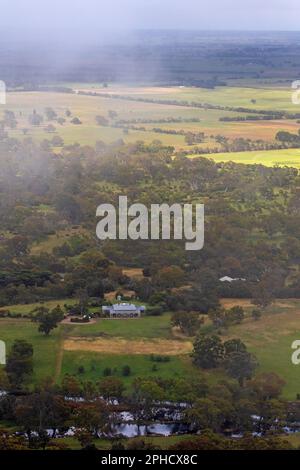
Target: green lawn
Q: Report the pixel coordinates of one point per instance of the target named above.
(144, 327)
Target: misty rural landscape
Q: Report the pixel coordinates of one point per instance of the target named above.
(142, 344)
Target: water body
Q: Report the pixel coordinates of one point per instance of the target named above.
(159, 429)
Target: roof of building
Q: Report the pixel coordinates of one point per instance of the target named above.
(231, 279)
(124, 306)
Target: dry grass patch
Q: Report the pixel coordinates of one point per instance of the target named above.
(112, 296)
(246, 303)
(268, 329)
(124, 346)
(133, 273)
(229, 303)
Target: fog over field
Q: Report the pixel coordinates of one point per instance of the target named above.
(131, 39)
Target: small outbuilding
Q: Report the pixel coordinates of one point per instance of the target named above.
(231, 279)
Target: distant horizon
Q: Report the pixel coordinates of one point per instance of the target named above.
(113, 37)
(87, 20)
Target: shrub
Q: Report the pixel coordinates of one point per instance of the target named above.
(158, 358)
(107, 372)
(154, 311)
(126, 371)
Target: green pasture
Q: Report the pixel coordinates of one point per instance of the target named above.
(45, 348)
(145, 327)
(286, 157)
(94, 365)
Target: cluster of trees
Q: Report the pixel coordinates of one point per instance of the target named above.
(275, 116)
(209, 352)
(222, 317)
(45, 194)
(288, 137)
(188, 322)
(192, 138)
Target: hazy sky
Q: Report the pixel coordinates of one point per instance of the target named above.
(89, 17)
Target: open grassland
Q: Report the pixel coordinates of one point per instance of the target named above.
(270, 339)
(247, 97)
(86, 108)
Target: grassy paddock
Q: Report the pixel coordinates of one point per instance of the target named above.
(140, 365)
(270, 339)
(144, 327)
(88, 107)
(45, 348)
(287, 157)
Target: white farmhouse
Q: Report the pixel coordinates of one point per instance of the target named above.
(123, 310)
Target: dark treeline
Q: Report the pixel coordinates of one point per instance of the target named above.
(270, 117)
(201, 59)
(167, 120)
